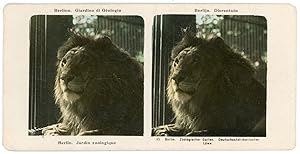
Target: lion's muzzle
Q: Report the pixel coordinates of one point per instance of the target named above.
(66, 78)
(72, 83)
(178, 77)
(182, 83)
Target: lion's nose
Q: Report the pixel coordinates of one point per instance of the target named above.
(177, 78)
(66, 78)
(63, 62)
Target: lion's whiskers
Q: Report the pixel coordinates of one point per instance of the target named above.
(108, 78)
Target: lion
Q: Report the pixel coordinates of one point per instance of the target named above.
(212, 91)
(98, 88)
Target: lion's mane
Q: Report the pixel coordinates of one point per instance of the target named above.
(227, 100)
(112, 98)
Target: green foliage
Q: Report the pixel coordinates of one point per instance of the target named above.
(85, 25)
(140, 56)
(208, 25)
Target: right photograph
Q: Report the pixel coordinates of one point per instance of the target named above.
(209, 75)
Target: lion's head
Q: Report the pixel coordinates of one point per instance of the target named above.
(77, 65)
(98, 86)
(206, 80)
(75, 72)
(190, 69)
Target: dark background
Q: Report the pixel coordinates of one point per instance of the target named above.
(244, 34)
(49, 32)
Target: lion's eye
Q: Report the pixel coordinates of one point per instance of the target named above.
(63, 62)
(176, 61)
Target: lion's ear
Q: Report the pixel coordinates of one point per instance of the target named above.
(106, 39)
(185, 30)
(218, 43)
(215, 40)
(103, 39)
(188, 35)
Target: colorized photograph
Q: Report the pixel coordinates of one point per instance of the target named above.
(86, 75)
(209, 75)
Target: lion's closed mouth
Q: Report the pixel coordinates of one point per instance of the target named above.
(186, 87)
(191, 92)
(76, 86)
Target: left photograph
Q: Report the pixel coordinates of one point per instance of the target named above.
(86, 75)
